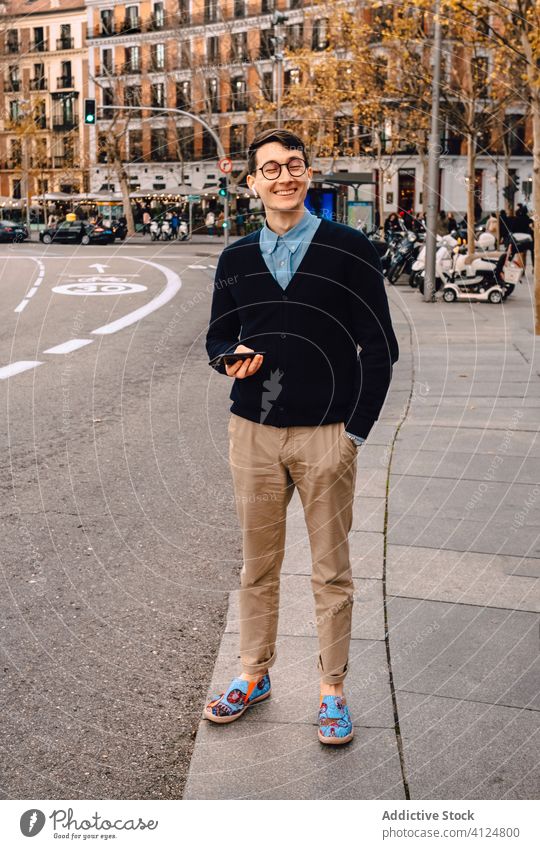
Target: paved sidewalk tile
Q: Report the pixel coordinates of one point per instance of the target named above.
(463, 535)
(260, 760)
(465, 750)
(489, 580)
(465, 652)
(461, 465)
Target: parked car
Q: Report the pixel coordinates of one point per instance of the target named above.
(13, 231)
(77, 232)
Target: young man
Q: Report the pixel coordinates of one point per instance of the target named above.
(306, 292)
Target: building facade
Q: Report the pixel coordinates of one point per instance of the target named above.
(43, 142)
(215, 58)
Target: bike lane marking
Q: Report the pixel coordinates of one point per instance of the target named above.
(37, 283)
(18, 367)
(172, 287)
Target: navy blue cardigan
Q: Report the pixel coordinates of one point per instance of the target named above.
(312, 373)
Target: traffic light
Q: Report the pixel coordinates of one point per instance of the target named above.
(222, 187)
(89, 111)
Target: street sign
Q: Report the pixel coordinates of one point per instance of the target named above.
(194, 197)
(225, 165)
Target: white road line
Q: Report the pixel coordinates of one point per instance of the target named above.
(16, 368)
(197, 266)
(173, 286)
(70, 345)
(37, 282)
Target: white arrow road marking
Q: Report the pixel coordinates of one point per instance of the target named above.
(37, 282)
(67, 347)
(100, 268)
(16, 368)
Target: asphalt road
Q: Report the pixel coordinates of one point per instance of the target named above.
(119, 534)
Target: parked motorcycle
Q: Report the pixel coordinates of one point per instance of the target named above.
(402, 256)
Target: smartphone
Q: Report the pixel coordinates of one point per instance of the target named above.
(230, 359)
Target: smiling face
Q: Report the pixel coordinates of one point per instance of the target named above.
(284, 193)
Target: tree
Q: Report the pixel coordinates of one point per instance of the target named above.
(513, 28)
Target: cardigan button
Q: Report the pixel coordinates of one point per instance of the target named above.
(283, 335)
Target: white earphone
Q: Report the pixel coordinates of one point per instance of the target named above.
(254, 190)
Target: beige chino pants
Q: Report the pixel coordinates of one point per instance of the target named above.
(267, 463)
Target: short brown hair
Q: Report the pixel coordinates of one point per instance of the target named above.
(284, 137)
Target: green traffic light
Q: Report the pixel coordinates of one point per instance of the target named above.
(89, 119)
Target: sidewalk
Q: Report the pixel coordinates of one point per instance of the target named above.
(445, 551)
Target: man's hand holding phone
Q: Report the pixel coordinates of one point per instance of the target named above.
(244, 368)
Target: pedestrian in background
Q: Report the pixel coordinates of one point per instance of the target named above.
(210, 221)
(240, 219)
(451, 222)
(220, 223)
(146, 222)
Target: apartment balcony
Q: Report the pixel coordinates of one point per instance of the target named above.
(40, 163)
(14, 164)
(12, 85)
(265, 51)
(104, 31)
(65, 161)
(157, 23)
(39, 46)
(38, 84)
(65, 43)
(106, 70)
(65, 82)
(239, 104)
(128, 68)
(40, 122)
(156, 68)
(238, 57)
(13, 47)
(64, 123)
(130, 25)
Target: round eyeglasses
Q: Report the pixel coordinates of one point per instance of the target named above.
(272, 170)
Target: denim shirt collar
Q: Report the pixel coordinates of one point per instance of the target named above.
(292, 238)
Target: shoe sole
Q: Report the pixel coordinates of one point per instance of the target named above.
(224, 719)
(335, 741)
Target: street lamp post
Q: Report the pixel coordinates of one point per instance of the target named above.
(26, 112)
(279, 42)
(433, 163)
(219, 145)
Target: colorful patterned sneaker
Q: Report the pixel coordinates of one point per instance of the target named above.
(335, 724)
(235, 701)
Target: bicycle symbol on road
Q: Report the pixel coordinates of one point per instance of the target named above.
(100, 285)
